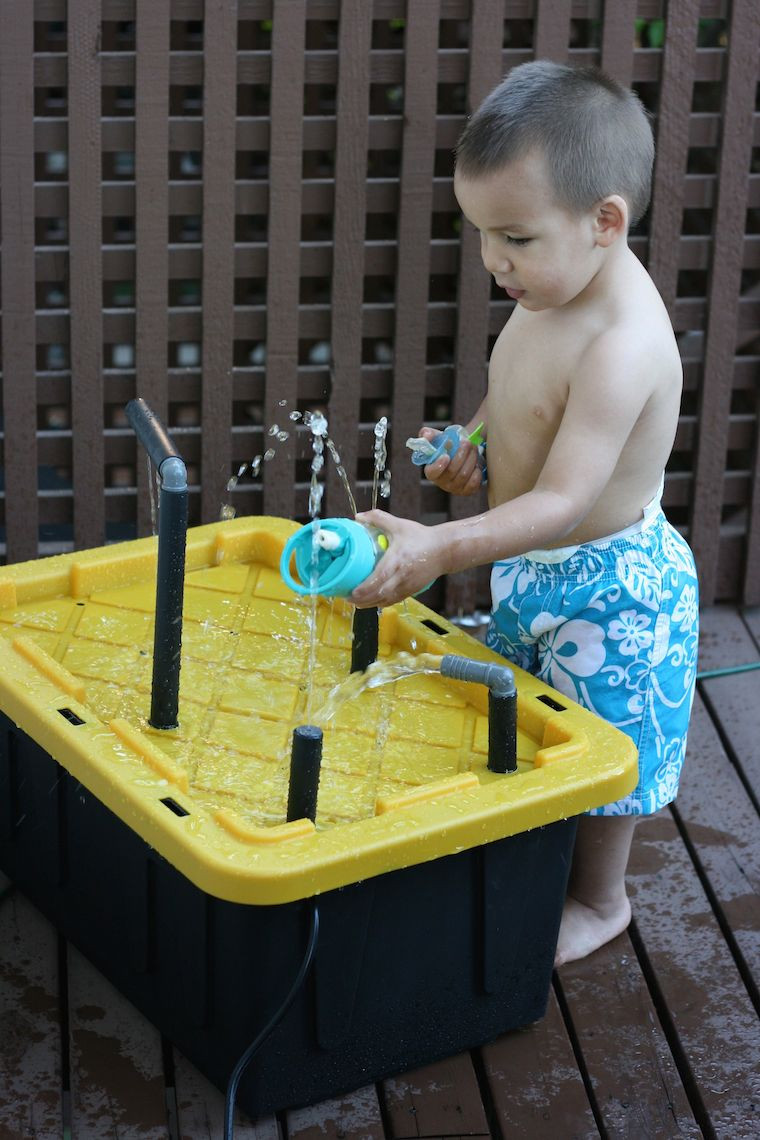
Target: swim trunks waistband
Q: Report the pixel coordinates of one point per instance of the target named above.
(560, 553)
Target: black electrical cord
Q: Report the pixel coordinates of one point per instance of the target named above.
(271, 1025)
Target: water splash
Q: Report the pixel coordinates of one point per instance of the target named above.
(317, 425)
(381, 476)
(233, 481)
(153, 486)
(341, 471)
(381, 672)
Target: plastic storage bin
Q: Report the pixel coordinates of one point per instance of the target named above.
(165, 855)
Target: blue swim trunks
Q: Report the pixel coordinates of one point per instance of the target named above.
(612, 624)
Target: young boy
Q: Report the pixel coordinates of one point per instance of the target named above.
(592, 589)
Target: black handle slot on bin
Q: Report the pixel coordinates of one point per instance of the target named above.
(170, 573)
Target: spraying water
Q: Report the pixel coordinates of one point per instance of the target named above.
(381, 476)
(341, 473)
(317, 425)
(153, 480)
(381, 672)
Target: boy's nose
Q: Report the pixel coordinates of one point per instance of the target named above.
(495, 258)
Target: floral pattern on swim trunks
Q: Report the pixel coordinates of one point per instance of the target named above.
(614, 626)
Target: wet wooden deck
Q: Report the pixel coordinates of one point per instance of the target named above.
(656, 1035)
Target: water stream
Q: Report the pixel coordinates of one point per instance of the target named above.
(381, 672)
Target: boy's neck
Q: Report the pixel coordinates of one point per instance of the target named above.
(612, 260)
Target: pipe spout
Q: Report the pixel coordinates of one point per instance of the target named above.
(170, 572)
(498, 678)
(305, 765)
(502, 706)
(365, 640)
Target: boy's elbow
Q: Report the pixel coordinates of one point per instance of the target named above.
(565, 511)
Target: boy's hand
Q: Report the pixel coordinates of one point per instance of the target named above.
(460, 474)
(411, 562)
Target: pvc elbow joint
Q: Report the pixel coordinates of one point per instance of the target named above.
(498, 678)
(173, 474)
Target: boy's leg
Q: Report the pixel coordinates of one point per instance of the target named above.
(597, 907)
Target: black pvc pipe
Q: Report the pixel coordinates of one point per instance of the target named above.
(150, 431)
(170, 583)
(365, 638)
(305, 763)
(170, 572)
(502, 732)
(502, 705)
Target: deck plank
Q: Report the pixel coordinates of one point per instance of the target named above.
(636, 1085)
(435, 1101)
(117, 1079)
(30, 1038)
(535, 1084)
(751, 615)
(356, 1115)
(733, 700)
(721, 823)
(713, 1029)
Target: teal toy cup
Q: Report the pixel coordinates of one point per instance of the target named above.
(425, 451)
(332, 557)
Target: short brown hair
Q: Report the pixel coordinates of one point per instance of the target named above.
(594, 134)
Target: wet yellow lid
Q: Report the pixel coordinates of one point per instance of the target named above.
(404, 776)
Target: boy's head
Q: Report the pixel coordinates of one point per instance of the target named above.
(592, 132)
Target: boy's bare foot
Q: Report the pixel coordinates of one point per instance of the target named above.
(584, 929)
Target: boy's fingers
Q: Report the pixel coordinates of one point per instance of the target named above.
(377, 518)
(434, 471)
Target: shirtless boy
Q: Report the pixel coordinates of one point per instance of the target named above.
(592, 589)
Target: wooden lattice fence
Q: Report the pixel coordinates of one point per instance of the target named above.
(239, 209)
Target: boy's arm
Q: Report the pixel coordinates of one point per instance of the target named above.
(606, 399)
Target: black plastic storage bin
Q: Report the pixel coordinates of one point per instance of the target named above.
(411, 966)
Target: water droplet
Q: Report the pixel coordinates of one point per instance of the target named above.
(316, 423)
(268, 454)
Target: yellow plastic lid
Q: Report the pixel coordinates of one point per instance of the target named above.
(404, 777)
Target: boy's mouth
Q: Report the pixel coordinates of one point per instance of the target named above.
(515, 294)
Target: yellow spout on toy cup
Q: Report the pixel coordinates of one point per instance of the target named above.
(332, 557)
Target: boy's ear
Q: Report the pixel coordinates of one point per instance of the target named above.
(610, 220)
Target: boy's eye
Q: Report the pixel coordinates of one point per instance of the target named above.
(515, 240)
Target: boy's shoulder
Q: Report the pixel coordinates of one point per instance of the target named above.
(626, 327)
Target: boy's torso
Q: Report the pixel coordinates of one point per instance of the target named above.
(536, 360)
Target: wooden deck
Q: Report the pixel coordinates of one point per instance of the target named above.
(657, 1034)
